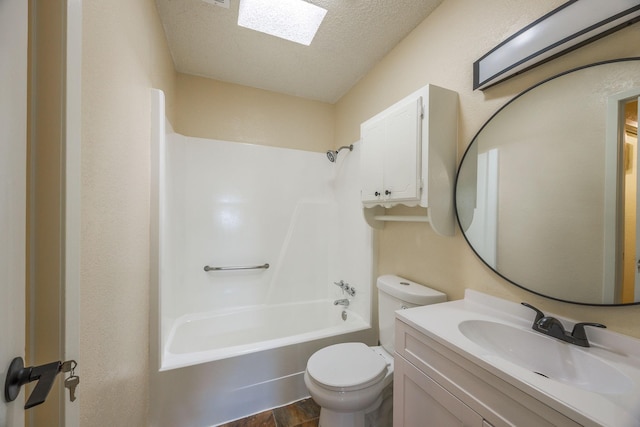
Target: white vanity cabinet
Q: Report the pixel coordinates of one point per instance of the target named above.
(408, 157)
(436, 387)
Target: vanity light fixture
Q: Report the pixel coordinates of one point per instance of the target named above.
(294, 20)
(574, 24)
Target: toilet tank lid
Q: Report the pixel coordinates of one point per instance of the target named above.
(409, 291)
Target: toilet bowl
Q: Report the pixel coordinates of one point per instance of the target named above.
(348, 377)
(353, 382)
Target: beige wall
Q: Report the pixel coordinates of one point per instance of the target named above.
(208, 108)
(441, 51)
(124, 54)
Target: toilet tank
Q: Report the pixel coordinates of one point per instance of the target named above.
(396, 293)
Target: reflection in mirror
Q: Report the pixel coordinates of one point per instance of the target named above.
(541, 191)
(631, 261)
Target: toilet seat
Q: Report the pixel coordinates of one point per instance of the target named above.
(346, 367)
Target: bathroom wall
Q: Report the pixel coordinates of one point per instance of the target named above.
(441, 51)
(124, 54)
(217, 110)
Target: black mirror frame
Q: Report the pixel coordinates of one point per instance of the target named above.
(455, 187)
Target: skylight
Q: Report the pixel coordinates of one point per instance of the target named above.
(294, 20)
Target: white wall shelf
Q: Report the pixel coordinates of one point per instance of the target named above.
(402, 218)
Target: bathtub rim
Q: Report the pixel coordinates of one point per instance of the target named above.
(169, 360)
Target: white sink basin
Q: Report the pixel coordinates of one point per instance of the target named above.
(546, 356)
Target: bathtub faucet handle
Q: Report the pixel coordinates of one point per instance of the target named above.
(346, 287)
(350, 290)
(341, 284)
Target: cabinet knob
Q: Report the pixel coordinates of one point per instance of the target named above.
(387, 192)
(377, 193)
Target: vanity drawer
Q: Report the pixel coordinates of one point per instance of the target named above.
(497, 401)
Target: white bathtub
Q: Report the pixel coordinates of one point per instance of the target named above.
(221, 367)
(205, 337)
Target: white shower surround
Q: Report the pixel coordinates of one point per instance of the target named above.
(221, 203)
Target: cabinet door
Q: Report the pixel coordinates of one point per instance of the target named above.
(390, 155)
(372, 157)
(418, 401)
(402, 162)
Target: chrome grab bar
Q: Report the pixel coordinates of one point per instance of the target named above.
(252, 267)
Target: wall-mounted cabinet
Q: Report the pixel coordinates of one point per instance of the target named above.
(408, 157)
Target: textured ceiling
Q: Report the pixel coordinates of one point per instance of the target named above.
(205, 40)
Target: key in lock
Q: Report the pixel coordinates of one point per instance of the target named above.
(73, 380)
(71, 383)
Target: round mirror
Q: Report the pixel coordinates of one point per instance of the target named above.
(546, 191)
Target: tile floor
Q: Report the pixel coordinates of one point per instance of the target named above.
(304, 413)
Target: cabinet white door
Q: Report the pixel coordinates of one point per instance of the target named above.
(418, 401)
(402, 162)
(390, 165)
(372, 157)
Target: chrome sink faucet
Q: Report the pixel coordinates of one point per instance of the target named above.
(553, 327)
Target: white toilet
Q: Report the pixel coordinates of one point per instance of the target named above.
(353, 383)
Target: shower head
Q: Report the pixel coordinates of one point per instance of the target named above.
(332, 155)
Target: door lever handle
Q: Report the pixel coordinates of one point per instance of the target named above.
(19, 375)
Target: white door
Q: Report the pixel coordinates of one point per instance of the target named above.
(14, 27)
(13, 143)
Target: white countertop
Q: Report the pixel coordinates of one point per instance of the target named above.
(620, 409)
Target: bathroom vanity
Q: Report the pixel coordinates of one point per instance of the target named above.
(476, 362)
